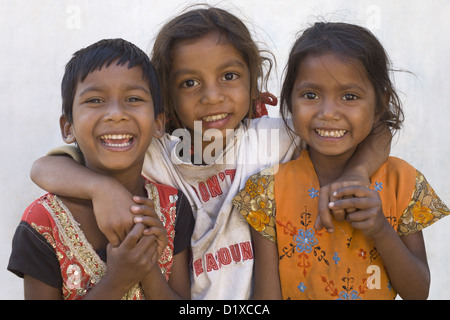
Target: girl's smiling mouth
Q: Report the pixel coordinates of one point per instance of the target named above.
(215, 117)
(330, 133)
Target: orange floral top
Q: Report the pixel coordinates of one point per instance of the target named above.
(313, 264)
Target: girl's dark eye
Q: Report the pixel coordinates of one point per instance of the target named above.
(310, 96)
(189, 83)
(134, 99)
(229, 76)
(349, 97)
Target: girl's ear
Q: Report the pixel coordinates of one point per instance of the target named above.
(386, 99)
(66, 130)
(159, 126)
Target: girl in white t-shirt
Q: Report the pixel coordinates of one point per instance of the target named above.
(212, 74)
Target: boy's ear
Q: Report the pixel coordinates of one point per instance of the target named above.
(66, 130)
(159, 126)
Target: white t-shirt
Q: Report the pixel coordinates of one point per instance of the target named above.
(222, 252)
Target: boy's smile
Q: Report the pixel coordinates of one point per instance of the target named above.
(113, 118)
(117, 140)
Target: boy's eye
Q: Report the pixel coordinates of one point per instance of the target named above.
(230, 76)
(349, 97)
(134, 99)
(94, 100)
(310, 96)
(189, 83)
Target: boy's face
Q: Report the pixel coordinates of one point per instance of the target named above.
(113, 119)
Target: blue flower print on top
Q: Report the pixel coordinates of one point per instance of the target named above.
(305, 240)
(352, 295)
(301, 287)
(313, 193)
(378, 186)
(336, 258)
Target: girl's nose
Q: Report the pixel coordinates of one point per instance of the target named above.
(212, 94)
(329, 110)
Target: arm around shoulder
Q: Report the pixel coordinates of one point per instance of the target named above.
(62, 175)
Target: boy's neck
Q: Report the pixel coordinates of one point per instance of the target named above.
(131, 179)
(134, 183)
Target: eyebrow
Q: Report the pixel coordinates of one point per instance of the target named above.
(226, 64)
(128, 87)
(343, 87)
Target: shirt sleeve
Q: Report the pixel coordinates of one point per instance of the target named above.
(256, 203)
(34, 256)
(71, 151)
(424, 209)
(184, 224)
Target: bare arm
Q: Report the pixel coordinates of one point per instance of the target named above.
(178, 287)
(369, 156)
(180, 276)
(127, 265)
(35, 289)
(404, 257)
(406, 263)
(267, 279)
(154, 284)
(63, 176)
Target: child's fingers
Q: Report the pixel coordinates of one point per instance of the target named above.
(149, 221)
(160, 234)
(160, 238)
(144, 201)
(358, 216)
(144, 206)
(357, 203)
(324, 218)
(353, 191)
(133, 236)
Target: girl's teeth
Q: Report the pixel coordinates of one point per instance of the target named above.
(215, 117)
(331, 133)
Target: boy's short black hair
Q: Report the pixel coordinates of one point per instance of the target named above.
(102, 54)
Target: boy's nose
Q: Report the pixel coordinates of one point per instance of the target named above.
(116, 111)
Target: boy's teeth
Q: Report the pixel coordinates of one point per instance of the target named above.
(117, 136)
(331, 133)
(215, 117)
(117, 140)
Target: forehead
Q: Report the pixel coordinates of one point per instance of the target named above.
(333, 69)
(210, 50)
(115, 75)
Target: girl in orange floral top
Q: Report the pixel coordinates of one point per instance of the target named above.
(337, 90)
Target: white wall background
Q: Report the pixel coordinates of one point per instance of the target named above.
(38, 37)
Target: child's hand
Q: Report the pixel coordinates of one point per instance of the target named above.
(145, 213)
(368, 212)
(132, 260)
(328, 195)
(112, 205)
